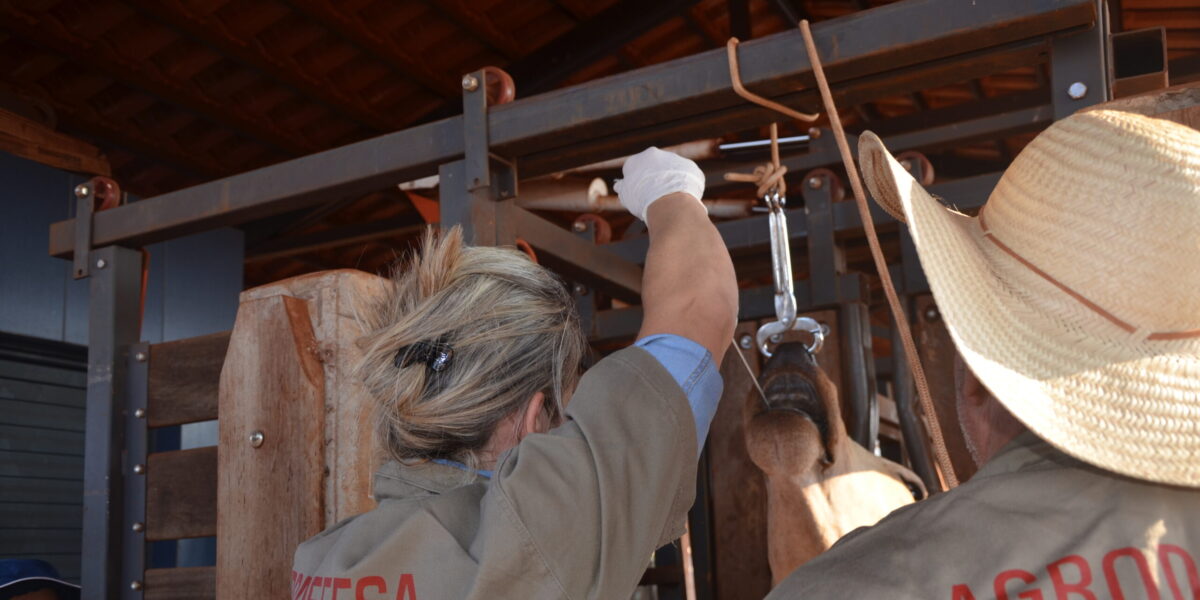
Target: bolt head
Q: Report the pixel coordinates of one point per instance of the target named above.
(470, 83)
(135, 585)
(815, 182)
(932, 314)
(1077, 90)
(139, 413)
(775, 339)
(746, 342)
(139, 527)
(100, 264)
(82, 190)
(140, 356)
(814, 133)
(256, 439)
(139, 469)
(580, 290)
(579, 226)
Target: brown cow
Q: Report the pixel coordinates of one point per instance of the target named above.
(820, 483)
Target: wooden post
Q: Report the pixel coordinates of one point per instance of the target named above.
(287, 376)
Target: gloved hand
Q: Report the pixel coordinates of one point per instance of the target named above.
(652, 174)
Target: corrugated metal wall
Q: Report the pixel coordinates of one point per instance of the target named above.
(42, 387)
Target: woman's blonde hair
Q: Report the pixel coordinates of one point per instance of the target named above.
(510, 328)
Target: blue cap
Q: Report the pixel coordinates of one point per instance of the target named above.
(21, 576)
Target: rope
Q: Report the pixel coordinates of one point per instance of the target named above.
(768, 177)
(910, 348)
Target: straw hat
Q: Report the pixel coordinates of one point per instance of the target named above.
(1075, 295)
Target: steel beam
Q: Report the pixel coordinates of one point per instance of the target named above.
(749, 234)
(579, 259)
(115, 282)
(601, 119)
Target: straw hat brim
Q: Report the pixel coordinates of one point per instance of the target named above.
(1090, 389)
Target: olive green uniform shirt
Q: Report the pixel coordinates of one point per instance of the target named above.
(574, 513)
(1033, 524)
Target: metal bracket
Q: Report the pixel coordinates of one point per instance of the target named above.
(133, 562)
(477, 192)
(85, 195)
(1079, 72)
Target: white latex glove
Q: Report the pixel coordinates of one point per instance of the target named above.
(652, 174)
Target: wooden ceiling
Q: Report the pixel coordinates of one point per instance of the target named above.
(177, 92)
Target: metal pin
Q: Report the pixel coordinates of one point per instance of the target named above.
(139, 527)
(746, 342)
(81, 190)
(1077, 90)
(140, 357)
(580, 290)
(932, 314)
(100, 264)
(256, 439)
(135, 586)
(139, 413)
(139, 469)
(470, 83)
(579, 226)
(815, 183)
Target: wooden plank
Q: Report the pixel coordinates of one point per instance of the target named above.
(184, 583)
(48, 466)
(337, 298)
(35, 489)
(937, 351)
(739, 492)
(29, 139)
(183, 379)
(41, 541)
(41, 414)
(34, 515)
(181, 494)
(42, 393)
(270, 498)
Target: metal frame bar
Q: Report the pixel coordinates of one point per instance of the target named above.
(112, 329)
(133, 565)
(598, 120)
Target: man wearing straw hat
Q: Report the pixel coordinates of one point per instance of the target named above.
(1074, 301)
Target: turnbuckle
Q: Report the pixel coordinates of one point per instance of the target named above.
(785, 295)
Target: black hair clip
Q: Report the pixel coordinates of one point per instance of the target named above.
(436, 355)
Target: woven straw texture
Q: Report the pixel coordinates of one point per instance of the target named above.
(1075, 296)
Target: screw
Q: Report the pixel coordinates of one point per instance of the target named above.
(100, 264)
(814, 133)
(746, 342)
(579, 226)
(135, 586)
(775, 339)
(139, 527)
(580, 290)
(139, 469)
(256, 439)
(815, 182)
(1077, 90)
(82, 190)
(825, 329)
(140, 357)
(470, 83)
(139, 413)
(932, 314)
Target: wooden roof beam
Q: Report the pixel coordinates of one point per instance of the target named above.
(211, 31)
(45, 30)
(351, 29)
(479, 25)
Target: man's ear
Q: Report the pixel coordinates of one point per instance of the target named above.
(532, 421)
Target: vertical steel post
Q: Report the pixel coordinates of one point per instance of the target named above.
(911, 427)
(1079, 73)
(823, 263)
(133, 562)
(477, 192)
(859, 372)
(112, 329)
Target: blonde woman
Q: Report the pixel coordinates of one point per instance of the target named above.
(511, 474)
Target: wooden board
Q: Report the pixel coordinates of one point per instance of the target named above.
(183, 379)
(269, 498)
(29, 139)
(335, 299)
(937, 352)
(739, 493)
(184, 583)
(181, 494)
